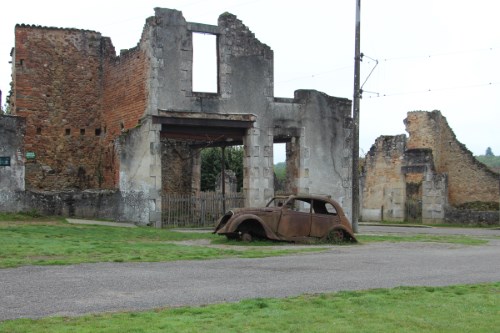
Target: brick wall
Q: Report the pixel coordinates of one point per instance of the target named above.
(468, 179)
(124, 99)
(77, 97)
(56, 75)
(177, 166)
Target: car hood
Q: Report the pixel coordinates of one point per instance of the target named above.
(254, 210)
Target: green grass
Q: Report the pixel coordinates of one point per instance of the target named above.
(453, 239)
(433, 225)
(30, 216)
(28, 240)
(59, 243)
(463, 308)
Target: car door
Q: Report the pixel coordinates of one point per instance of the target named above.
(323, 216)
(295, 219)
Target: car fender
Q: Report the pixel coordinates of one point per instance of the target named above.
(237, 221)
(346, 230)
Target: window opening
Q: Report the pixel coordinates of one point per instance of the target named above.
(279, 160)
(204, 63)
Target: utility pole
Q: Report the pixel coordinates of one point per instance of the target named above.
(223, 178)
(355, 118)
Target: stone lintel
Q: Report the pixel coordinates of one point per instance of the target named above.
(203, 28)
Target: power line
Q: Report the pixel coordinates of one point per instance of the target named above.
(409, 57)
(443, 54)
(430, 90)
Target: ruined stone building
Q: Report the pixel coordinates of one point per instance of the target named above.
(107, 135)
(426, 176)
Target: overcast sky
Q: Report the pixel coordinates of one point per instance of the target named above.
(432, 54)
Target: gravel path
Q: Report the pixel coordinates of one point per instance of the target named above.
(39, 291)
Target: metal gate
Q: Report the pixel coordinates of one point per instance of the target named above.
(203, 210)
(413, 210)
(413, 205)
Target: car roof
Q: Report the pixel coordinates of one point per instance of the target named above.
(306, 196)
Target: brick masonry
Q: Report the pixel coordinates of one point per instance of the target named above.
(77, 97)
(56, 90)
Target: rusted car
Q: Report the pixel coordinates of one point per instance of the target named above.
(295, 218)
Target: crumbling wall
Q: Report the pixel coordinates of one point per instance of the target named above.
(124, 100)
(432, 169)
(468, 179)
(384, 185)
(57, 90)
(246, 86)
(426, 190)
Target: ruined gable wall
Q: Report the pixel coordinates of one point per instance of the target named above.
(171, 51)
(57, 89)
(246, 86)
(384, 184)
(246, 64)
(468, 179)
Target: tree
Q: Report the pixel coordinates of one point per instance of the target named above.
(211, 163)
(5, 109)
(489, 152)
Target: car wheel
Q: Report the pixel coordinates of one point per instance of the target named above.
(246, 237)
(232, 236)
(336, 236)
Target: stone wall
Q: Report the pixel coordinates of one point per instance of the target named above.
(383, 190)
(95, 204)
(246, 86)
(12, 131)
(421, 178)
(468, 179)
(471, 217)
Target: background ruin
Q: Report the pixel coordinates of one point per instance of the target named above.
(426, 177)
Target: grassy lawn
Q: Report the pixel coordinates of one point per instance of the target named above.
(453, 239)
(55, 242)
(28, 240)
(464, 308)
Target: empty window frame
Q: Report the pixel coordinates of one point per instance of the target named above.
(204, 62)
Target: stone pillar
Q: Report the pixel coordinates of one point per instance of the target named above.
(140, 174)
(258, 183)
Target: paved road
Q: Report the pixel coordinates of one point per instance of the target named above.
(38, 291)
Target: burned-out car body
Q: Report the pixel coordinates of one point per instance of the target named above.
(289, 218)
